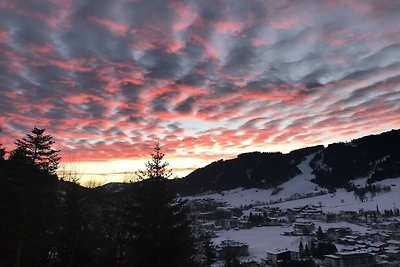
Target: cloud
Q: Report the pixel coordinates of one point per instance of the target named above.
(106, 78)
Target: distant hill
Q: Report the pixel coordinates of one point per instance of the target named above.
(375, 156)
(256, 169)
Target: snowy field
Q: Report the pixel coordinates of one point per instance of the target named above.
(261, 240)
(270, 239)
(264, 239)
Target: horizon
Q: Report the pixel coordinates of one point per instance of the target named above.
(108, 80)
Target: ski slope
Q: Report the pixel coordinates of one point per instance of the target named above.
(301, 184)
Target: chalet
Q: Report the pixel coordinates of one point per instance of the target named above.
(386, 226)
(381, 237)
(230, 247)
(278, 258)
(392, 252)
(336, 233)
(269, 221)
(304, 226)
(348, 214)
(350, 259)
(394, 243)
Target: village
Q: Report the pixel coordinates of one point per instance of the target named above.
(265, 235)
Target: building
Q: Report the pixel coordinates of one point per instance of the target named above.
(232, 248)
(279, 257)
(350, 259)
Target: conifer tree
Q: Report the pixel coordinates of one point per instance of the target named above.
(2, 153)
(320, 233)
(307, 251)
(301, 249)
(161, 231)
(37, 148)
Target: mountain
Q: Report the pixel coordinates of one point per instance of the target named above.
(256, 169)
(374, 156)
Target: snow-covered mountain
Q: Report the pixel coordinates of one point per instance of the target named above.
(300, 191)
(376, 157)
(297, 193)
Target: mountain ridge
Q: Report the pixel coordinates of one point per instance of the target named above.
(334, 166)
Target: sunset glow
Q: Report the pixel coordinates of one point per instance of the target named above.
(207, 79)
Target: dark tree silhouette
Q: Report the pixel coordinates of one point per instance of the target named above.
(161, 232)
(320, 233)
(2, 153)
(2, 150)
(231, 260)
(37, 149)
(301, 249)
(307, 251)
(27, 203)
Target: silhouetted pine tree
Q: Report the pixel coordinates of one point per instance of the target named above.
(2, 153)
(74, 244)
(37, 148)
(301, 249)
(320, 233)
(231, 260)
(307, 251)
(161, 232)
(27, 207)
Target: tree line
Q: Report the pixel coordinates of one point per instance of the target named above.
(46, 221)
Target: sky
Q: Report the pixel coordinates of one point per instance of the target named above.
(208, 79)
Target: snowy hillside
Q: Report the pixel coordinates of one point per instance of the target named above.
(343, 200)
(301, 185)
(270, 238)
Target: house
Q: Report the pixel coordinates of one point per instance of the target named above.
(277, 258)
(336, 233)
(304, 227)
(394, 243)
(230, 247)
(380, 237)
(350, 259)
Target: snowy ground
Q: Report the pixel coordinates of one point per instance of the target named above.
(270, 239)
(341, 200)
(298, 184)
(263, 239)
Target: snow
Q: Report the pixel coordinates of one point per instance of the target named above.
(261, 240)
(269, 239)
(354, 227)
(240, 197)
(342, 200)
(301, 184)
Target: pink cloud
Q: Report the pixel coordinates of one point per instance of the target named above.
(227, 26)
(117, 28)
(4, 36)
(46, 49)
(285, 23)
